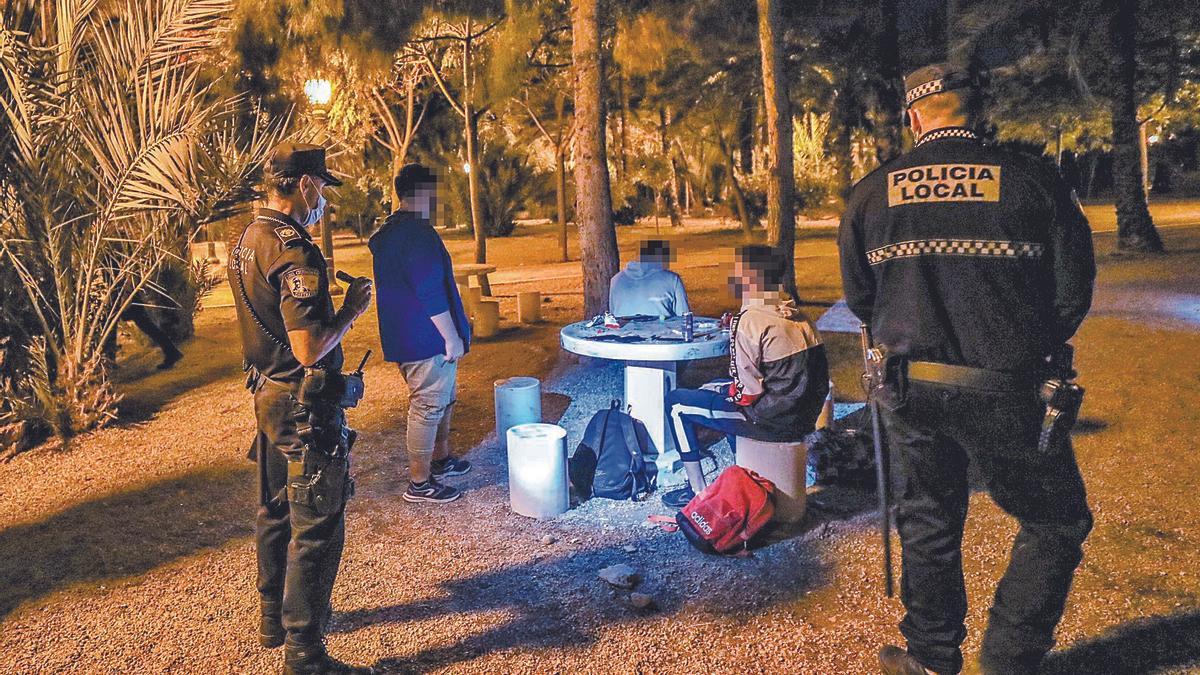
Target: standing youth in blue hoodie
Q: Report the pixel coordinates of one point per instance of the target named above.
(423, 327)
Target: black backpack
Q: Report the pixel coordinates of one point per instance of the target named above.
(610, 460)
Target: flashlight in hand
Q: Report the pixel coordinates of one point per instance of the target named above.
(343, 276)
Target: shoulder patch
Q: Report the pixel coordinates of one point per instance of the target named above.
(302, 283)
(287, 234)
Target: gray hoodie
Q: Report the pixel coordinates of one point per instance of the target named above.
(649, 289)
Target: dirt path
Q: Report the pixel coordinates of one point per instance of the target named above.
(131, 551)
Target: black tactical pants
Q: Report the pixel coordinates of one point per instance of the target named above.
(299, 548)
(934, 436)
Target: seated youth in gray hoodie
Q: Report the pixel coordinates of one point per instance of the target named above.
(647, 287)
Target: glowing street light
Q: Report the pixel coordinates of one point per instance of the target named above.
(1154, 139)
(319, 92)
(466, 167)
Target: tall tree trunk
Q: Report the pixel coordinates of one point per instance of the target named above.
(622, 97)
(471, 121)
(1135, 229)
(401, 155)
(560, 174)
(593, 198)
(846, 112)
(739, 197)
(843, 150)
(781, 186)
(745, 135)
(560, 194)
(888, 139)
(670, 191)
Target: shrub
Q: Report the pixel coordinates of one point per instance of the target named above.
(115, 153)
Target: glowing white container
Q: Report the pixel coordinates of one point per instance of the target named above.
(518, 401)
(537, 470)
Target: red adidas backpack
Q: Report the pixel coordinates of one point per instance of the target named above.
(728, 513)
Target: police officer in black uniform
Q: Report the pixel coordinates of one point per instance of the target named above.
(971, 266)
(291, 339)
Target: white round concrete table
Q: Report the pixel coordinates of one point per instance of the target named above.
(650, 351)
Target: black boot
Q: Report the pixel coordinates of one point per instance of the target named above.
(315, 660)
(896, 661)
(270, 626)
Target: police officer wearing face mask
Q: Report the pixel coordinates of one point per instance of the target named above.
(291, 339)
(972, 266)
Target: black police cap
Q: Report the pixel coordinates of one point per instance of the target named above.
(292, 160)
(934, 78)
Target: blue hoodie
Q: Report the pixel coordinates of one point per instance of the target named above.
(414, 281)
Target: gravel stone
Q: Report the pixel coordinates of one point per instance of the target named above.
(621, 576)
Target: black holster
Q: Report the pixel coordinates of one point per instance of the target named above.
(320, 477)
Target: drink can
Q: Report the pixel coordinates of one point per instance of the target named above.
(726, 320)
(689, 327)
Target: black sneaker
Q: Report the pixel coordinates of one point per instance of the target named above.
(430, 491)
(678, 498)
(450, 466)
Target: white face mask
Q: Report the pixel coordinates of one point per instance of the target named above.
(315, 212)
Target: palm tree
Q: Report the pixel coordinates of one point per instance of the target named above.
(115, 151)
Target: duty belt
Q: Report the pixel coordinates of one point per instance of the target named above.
(973, 378)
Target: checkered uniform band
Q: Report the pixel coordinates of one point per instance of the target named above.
(922, 90)
(957, 247)
(948, 132)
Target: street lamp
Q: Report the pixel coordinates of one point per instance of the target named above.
(320, 93)
(466, 167)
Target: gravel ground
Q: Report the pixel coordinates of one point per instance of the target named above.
(130, 551)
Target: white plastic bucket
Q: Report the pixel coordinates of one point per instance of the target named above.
(537, 470)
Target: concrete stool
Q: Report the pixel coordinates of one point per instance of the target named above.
(537, 470)
(487, 318)
(473, 297)
(785, 465)
(529, 306)
(518, 401)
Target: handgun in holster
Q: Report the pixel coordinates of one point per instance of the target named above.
(1063, 399)
(885, 377)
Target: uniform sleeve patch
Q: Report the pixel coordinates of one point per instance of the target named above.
(287, 233)
(302, 283)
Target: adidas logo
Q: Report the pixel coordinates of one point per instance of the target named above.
(700, 522)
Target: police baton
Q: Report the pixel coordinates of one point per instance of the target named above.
(881, 468)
